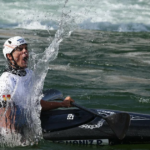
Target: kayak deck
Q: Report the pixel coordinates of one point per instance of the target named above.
(78, 126)
(64, 119)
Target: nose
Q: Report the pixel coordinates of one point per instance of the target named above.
(25, 50)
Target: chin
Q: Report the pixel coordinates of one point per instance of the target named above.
(24, 66)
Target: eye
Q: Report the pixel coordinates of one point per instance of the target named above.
(21, 48)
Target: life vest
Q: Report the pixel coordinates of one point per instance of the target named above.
(15, 88)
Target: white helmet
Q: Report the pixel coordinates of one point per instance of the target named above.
(12, 43)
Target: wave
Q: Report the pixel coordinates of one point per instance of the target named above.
(106, 15)
(120, 27)
(87, 25)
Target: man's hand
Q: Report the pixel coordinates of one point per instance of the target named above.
(67, 102)
(46, 105)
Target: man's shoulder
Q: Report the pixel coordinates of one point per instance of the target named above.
(6, 82)
(5, 75)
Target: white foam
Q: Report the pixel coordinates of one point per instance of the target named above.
(101, 15)
(33, 25)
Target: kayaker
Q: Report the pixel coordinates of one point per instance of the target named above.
(14, 79)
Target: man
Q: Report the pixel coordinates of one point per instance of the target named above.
(15, 82)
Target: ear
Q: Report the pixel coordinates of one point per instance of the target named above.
(9, 56)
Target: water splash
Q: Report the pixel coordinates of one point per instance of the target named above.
(29, 108)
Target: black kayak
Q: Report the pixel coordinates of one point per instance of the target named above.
(76, 126)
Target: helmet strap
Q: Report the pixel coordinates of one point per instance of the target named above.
(15, 65)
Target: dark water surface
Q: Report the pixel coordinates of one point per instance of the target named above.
(98, 69)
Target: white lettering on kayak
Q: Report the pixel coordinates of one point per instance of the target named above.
(98, 125)
(134, 117)
(86, 142)
(70, 117)
(105, 112)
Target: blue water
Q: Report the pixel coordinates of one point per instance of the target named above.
(104, 63)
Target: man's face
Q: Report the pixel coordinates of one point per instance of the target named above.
(21, 55)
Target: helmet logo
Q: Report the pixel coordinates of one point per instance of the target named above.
(21, 40)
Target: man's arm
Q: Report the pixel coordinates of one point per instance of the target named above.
(46, 105)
